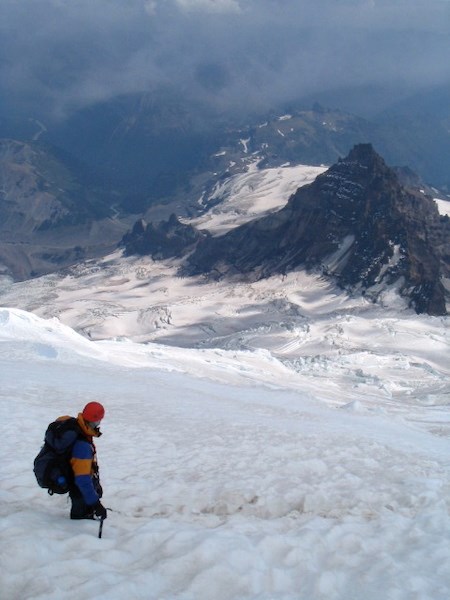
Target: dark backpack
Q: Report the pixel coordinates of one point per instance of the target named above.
(52, 464)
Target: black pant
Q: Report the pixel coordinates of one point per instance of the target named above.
(79, 510)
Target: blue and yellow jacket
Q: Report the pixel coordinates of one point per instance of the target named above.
(84, 462)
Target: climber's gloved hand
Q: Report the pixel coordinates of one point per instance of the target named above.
(99, 510)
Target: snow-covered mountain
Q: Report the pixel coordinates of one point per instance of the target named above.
(269, 440)
(356, 223)
(146, 300)
(150, 156)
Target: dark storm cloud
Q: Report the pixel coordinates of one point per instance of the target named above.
(64, 54)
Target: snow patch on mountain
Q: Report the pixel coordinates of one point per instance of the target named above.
(246, 196)
(443, 206)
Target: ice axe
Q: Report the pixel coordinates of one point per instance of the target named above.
(100, 528)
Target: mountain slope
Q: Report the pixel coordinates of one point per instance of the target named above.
(355, 222)
(152, 155)
(48, 219)
(151, 145)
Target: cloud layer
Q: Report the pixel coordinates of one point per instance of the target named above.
(60, 55)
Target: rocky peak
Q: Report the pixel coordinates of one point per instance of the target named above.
(348, 181)
(355, 223)
(364, 155)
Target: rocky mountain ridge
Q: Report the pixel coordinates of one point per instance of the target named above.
(355, 223)
(65, 186)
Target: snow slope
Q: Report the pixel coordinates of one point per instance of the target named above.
(223, 483)
(443, 206)
(278, 440)
(254, 193)
(302, 322)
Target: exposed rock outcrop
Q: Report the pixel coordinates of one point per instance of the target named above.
(162, 240)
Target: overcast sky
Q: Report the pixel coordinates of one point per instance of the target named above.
(65, 54)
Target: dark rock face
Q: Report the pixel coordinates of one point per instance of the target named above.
(355, 222)
(167, 239)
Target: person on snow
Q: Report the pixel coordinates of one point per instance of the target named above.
(85, 490)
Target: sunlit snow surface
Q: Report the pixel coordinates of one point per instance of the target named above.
(244, 196)
(275, 441)
(230, 474)
(443, 206)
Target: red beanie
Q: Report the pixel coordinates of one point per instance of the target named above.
(93, 411)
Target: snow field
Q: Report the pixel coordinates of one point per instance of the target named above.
(252, 194)
(223, 489)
